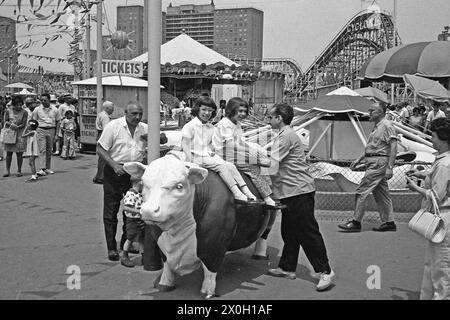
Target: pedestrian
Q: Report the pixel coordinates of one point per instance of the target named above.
(416, 120)
(295, 188)
(247, 157)
(135, 227)
(436, 274)
(103, 118)
(68, 127)
(48, 118)
(2, 118)
(16, 120)
(30, 105)
(32, 151)
(65, 104)
(378, 159)
(197, 136)
(120, 142)
(435, 113)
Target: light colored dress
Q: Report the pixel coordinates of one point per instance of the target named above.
(19, 119)
(436, 273)
(32, 145)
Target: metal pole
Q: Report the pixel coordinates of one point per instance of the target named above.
(99, 56)
(88, 45)
(154, 77)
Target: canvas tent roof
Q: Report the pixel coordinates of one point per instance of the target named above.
(427, 88)
(122, 81)
(184, 48)
(343, 91)
(373, 93)
(339, 104)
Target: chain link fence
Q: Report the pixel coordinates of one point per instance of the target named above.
(336, 184)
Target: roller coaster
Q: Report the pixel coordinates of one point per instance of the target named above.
(366, 34)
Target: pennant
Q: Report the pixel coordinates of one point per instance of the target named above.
(46, 40)
(19, 4)
(32, 4)
(59, 3)
(40, 5)
(58, 15)
(2, 2)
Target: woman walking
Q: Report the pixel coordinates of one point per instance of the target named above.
(16, 119)
(436, 274)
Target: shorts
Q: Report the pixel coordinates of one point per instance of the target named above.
(135, 229)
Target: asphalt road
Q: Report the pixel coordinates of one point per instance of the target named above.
(55, 223)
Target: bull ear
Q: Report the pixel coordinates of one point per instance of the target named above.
(196, 174)
(134, 169)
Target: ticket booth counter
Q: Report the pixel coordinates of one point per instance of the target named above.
(119, 90)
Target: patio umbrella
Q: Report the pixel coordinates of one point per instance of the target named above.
(426, 88)
(18, 85)
(371, 92)
(426, 59)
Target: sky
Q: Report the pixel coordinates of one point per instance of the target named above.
(298, 29)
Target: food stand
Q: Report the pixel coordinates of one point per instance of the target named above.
(118, 89)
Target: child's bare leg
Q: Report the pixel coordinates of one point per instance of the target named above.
(125, 261)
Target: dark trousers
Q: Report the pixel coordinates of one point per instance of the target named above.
(101, 163)
(299, 227)
(114, 187)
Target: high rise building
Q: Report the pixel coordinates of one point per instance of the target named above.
(239, 33)
(8, 54)
(197, 21)
(130, 19)
(236, 32)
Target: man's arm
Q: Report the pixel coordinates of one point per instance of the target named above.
(118, 169)
(392, 156)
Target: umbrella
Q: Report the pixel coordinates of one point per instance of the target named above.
(426, 88)
(371, 92)
(339, 104)
(25, 92)
(19, 85)
(427, 59)
(343, 91)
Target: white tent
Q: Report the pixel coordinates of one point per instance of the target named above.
(122, 81)
(343, 91)
(184, 48)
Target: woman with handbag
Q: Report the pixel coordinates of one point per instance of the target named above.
(15, 122)
(436, 276)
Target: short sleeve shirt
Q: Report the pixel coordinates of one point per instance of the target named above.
(291, 176)
(116, 139)
(199, 136)
(433, 116)
(102, 120)
(379, 141)
(46, 117)
(438, 180)
(225, 131)
(68, 124)
(132, 199)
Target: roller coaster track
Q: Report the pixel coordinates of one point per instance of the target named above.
(366, 34)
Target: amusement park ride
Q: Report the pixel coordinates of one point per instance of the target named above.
(369, 32)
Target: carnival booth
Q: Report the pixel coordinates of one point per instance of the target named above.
(118, 89)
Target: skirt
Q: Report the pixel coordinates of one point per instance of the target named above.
(32, 149)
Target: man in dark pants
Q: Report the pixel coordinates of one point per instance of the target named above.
(295, 188)
(103, 118)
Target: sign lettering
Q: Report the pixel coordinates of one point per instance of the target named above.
(126, 68)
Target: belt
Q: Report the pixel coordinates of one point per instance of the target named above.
(375, 155)
(46, 128)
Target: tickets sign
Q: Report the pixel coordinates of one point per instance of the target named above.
(124, 68)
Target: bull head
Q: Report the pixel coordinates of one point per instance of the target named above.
(168, 189)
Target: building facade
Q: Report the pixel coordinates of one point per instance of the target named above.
(236, 32)
(239, 33)
(8, 54)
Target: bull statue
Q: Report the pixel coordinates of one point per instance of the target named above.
(198, 217)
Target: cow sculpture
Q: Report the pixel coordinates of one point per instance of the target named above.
(198, 217)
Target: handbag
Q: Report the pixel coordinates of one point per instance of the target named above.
(429, 225)
(9, 136)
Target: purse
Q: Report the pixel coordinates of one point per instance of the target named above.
(9, 136)
(429, 225)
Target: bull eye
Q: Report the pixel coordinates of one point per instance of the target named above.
(179, 186)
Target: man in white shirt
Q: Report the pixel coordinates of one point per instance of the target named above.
(434, 114)
(103, 118)
(120, 142)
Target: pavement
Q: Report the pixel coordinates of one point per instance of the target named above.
(53, 226)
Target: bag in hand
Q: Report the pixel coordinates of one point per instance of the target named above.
(9, 136)
(429, 225)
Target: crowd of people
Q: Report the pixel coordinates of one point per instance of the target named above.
(38, 129)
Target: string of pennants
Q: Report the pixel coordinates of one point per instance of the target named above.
(39, 4)
(38, 57)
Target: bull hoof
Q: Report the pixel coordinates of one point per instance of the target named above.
(257, 257)
(163, 288)
(156, 282)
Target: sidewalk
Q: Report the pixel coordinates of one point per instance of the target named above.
(57, 222)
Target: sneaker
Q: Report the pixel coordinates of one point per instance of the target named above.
(41, 173)
(351, 226)
(278, 272)
(56, 153)
(326, 280)
(387, 226)
(33, 178)
(47, 171)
